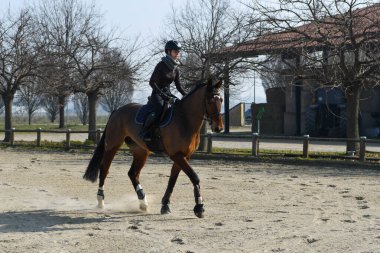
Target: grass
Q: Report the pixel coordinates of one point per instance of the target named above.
(269, 152)
(72, 122)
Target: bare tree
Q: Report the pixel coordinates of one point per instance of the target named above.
(333, 42)
(1, 106)
(62, 24)
(122, 81)
(205, 28)
(51, 105)
(117, 95)
(29, 98)
(81, 107)
(96, 70)
(56, 78)
(19, 51)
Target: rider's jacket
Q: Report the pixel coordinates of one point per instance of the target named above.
(162, 77)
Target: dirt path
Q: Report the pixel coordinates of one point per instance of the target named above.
(46, 206)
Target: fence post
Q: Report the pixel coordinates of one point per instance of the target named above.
(13, 136)
(305, 153)
(255, 144)
(98, 131)
(39, 137)
(362, 148)
(68, 139)
(209, 143)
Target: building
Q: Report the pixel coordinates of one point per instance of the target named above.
(308, 103)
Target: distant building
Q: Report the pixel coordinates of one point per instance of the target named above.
(300, 106)
(300, 110)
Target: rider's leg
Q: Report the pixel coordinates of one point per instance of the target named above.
(151, 118)
(157, 103)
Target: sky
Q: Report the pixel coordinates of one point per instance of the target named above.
(146, 18)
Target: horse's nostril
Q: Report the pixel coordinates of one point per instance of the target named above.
(218, 130)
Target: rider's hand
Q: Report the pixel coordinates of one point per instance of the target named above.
(173, 100)
(164, 97)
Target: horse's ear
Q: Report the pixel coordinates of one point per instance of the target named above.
(210, 86)
(209, 82)
(218, 84)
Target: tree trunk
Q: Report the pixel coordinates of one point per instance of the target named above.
(62, 103)
(353, 98)
(29, 118)
(92, 99)
(226, 108)
(226, 97)
(8, 102)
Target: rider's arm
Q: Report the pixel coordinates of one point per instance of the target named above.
(153, 80)
(178, 83)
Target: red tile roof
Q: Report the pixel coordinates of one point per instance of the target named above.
(330, 31)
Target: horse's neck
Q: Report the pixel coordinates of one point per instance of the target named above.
(193, 109)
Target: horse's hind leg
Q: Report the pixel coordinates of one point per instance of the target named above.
(106, 163)
(139, 158)
(165, 209)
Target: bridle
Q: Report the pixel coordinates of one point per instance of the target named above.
(216, 114)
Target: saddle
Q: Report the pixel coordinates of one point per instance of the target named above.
(166, 116)
(165, 119)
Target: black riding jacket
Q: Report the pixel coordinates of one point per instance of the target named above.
(162, 77)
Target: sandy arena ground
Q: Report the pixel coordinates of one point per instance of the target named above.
(46, 206)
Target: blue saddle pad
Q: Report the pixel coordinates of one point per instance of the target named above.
(148, 108)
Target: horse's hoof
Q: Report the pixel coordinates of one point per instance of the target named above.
(143, 205)
(165, 209)
(198, 210)
(100, 202)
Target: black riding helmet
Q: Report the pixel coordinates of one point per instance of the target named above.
(172, 44)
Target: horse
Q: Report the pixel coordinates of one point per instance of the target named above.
(180, 139)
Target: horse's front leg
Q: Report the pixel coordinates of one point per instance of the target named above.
(165, 209)
(182, 162)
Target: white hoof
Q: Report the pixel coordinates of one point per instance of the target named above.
(143, 204)
(100, 202)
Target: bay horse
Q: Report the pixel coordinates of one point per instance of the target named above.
(180, 139)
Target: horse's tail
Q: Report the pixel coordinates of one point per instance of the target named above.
(95, 164)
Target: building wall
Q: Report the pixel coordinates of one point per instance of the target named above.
(237, 115)
(272, 120)
(370, 112)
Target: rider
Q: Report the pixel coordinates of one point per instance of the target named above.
(165, 72)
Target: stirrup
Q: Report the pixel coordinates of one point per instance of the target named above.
(145, 136)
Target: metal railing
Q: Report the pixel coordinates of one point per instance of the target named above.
(254, 138)
(305, 140)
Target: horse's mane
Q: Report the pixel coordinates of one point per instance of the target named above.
(197, 86)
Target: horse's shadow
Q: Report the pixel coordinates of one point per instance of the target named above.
(43, 221)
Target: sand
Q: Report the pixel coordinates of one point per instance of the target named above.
(46, 206)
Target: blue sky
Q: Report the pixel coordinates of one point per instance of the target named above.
(147, 18)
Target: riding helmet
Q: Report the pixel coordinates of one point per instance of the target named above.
(172, 44)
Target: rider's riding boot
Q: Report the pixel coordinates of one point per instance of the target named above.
(145, 131)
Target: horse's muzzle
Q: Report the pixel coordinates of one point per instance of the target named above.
(218, 130)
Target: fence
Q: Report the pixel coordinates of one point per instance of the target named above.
(39, 131)
(255, 138)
